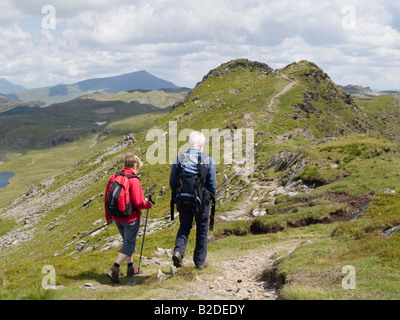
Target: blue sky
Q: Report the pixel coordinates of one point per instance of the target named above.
(354, 41)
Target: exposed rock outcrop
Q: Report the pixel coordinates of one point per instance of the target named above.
(253, 66)
(359, 213)
(292, 164)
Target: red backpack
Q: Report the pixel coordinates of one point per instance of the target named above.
(117, 198)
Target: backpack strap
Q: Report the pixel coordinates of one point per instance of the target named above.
(202, 166)
(178, 184)
(172, 206)
(212, 212)
(131, 176)
(128, 176)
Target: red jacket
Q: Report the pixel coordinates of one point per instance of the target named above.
(137, 198)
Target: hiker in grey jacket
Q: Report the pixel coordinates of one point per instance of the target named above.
(189, 167)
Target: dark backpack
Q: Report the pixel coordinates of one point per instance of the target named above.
(118, 201)
(198, 196)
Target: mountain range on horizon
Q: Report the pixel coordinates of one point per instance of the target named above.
(138, 80)
(367, 92)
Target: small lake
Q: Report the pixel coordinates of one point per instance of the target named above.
(4, 177)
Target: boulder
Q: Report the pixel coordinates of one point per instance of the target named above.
(359, 213)
(160, 275)
(389, 232)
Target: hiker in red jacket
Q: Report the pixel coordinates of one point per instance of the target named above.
(129, 226)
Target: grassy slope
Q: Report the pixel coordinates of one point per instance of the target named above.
(158, 98)
(69, 121)
(314, 271)
(37, 165)
(383, 112)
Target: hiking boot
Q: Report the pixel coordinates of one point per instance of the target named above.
(131, 271)
(177, 259)
(113, 274)
(202, 266)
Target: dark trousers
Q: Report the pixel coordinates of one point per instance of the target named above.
(186, 221)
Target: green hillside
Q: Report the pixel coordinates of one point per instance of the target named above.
(383, 113)
(7, 104)
(282, 230)
(26, 128)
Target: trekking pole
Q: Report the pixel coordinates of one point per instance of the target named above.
(144, 234)
(93, 231)
(88, 234)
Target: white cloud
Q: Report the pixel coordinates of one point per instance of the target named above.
(182, 40)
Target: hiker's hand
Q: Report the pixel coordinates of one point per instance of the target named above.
(147, 205)
(110, 221)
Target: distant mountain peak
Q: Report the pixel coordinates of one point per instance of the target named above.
(6, 87)
(128, 81)
(137, 80)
